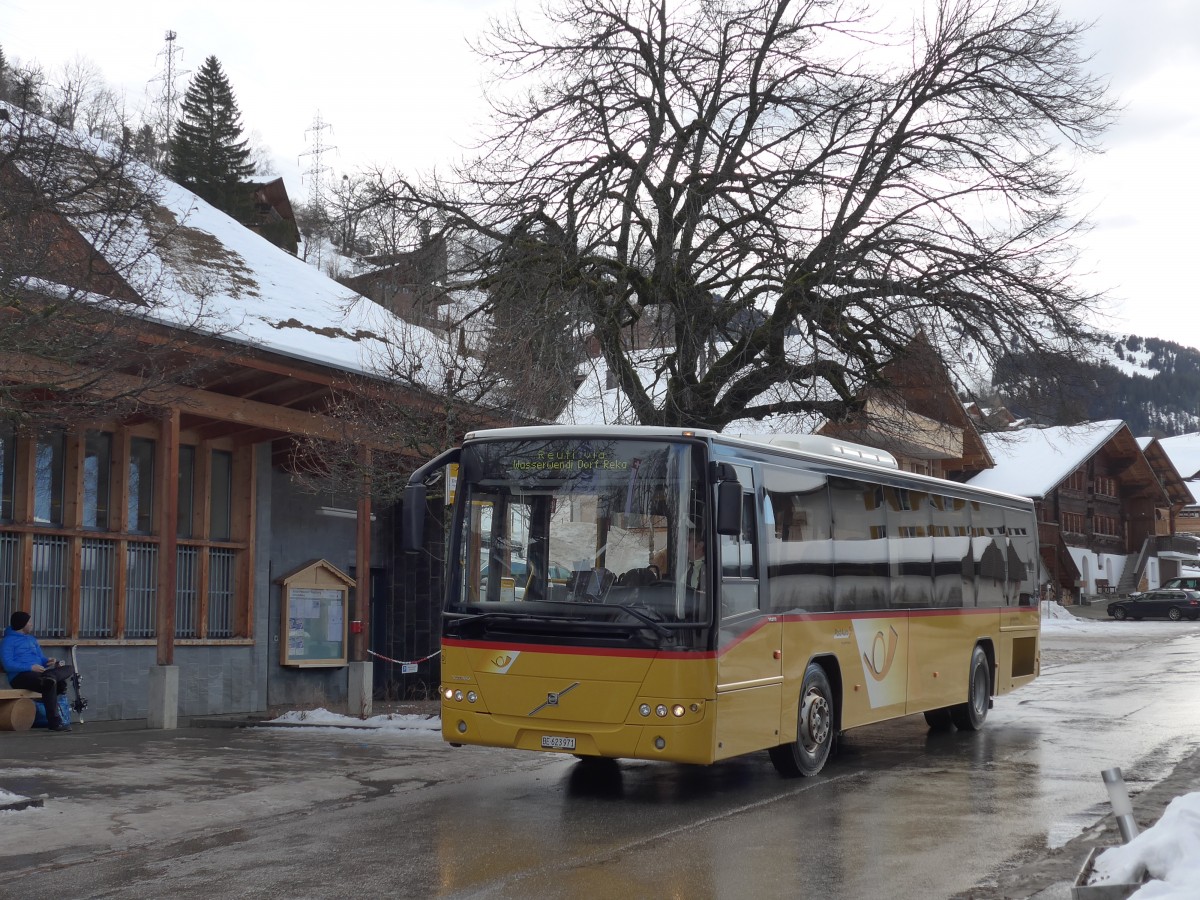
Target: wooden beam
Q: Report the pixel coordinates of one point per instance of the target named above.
(191, 400)
(167, 468)
(362, 563)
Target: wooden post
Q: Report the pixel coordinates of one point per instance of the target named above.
(167, 465)
(362, 562)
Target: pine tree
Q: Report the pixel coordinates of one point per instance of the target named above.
(208, 153)
(5, 73)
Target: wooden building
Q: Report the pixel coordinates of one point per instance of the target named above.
(1184, 453)
(918, 418)
(1106, 509)
(152, 537)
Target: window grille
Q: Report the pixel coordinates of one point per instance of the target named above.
(220, 592)
(48, 587)
(187, 598)
(141, 589)
(98, 562)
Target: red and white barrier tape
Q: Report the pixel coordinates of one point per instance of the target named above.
(404, 662)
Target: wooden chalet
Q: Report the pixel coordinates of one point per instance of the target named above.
(1184, 453)
(1106, 509)
(918, 418)
(408, 283)
(152, 539)
(273, 216)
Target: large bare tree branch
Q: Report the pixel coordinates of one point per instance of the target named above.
(792, 188)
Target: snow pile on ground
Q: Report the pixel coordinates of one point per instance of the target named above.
(1056, 617)
(7, 797)
(390, 722)
(1055, 611)
(1169, 852)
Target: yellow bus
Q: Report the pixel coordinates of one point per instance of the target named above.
(683, 595)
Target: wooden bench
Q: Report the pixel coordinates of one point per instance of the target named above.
(17, 711)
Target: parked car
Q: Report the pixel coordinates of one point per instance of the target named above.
(1175, 604)
(1186, 583)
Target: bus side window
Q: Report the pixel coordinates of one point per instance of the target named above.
(739, 556)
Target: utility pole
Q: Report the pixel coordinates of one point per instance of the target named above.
(314, 175)
(169, 98)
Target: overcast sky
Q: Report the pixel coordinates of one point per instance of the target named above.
(399, 87)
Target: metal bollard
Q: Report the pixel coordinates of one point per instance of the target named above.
(1118, 795)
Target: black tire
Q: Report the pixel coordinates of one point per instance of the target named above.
(971, 715)
(1175, 614)
(1120, 614)
(939, 719)
(815, 731)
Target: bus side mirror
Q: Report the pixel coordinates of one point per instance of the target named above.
(729, 507)
(412, 533)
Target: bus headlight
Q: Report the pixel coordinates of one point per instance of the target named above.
(458, 695)
(661, 710)
(448, 693)
(677, 710)
(472, 696)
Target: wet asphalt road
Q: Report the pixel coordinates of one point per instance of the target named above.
(901, 813)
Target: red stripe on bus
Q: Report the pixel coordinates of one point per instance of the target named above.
(579, 651)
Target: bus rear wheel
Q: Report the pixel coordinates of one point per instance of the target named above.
(970, 716)
(807, 755)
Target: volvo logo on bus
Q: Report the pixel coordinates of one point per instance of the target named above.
(552, 698)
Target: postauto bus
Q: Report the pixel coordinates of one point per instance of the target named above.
(689, 596)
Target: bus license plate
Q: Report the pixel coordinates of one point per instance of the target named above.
(553, 742)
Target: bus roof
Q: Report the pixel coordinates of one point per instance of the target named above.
(797, 446)
(814, 444)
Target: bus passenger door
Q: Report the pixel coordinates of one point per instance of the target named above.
(750, 645)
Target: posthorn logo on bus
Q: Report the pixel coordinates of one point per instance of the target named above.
(882, 651)
(883, 654)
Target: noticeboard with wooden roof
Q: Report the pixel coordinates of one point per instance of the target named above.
(316, 599)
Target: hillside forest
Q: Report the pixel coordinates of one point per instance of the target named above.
(1153, 384)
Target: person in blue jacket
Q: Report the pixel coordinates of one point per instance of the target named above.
(29, 669)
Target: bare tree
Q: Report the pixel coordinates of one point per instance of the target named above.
(83, 330)
(426, 389)
(787, 191)
(79, 99)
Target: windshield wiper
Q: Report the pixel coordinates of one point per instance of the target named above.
(659, 627)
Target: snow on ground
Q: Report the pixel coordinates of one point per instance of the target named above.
(1056, 618)
(391, 722)
(9, 797)
(1169, 851)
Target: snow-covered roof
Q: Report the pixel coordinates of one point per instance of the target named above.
(200, 269)
(595, 403)
(255, 293)
(1184, 453)
(1031, 462)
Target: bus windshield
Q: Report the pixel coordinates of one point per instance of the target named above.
(599, 532)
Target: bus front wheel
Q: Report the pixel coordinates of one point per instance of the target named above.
(939, 719)
(970, 716)
(814, 728)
